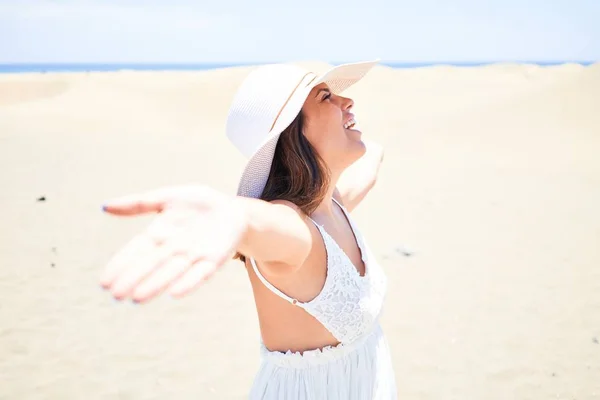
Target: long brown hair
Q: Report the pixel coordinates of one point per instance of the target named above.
(298, 174)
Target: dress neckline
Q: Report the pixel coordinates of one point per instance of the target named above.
(357, 239)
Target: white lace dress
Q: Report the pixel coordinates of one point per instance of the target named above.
(349, 306)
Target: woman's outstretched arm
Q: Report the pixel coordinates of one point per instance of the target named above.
(196, 230)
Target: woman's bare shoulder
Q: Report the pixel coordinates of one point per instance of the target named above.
(285, 203)
(291, 205)
(278, 268)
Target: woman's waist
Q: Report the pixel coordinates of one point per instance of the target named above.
(320, 356)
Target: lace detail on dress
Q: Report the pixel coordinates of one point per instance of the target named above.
(349, 304)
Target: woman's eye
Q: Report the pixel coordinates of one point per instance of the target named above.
(327, 96)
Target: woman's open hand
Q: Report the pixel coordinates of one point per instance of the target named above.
(196, 230)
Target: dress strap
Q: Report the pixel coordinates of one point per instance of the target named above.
(341, 206)
(270, 286)
(347, 215)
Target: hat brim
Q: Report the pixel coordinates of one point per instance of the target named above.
(339, 78)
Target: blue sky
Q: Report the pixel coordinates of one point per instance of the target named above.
(197, 31)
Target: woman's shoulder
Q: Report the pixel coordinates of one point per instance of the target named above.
(286, 203)
(293, 206)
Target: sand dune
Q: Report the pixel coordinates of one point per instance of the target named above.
(19, 91)
(491, 179)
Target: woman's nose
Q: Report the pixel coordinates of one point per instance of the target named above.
(347, 103)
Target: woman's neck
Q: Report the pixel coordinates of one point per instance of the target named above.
(325, 208)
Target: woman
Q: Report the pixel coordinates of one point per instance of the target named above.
(317, 287)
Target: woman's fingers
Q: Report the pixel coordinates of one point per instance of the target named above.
(144, 253)
(156, 282)
(192, 278)
(139, 269)
(137, 247)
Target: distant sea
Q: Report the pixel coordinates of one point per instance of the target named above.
(74, 67)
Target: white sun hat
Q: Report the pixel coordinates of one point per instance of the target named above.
(266, 103)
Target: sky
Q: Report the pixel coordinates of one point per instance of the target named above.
(256, 31)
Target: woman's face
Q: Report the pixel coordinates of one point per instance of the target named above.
(328, 126)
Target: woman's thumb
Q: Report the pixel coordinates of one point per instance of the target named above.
(136, 204)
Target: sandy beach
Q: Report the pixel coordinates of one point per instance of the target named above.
(486, 219)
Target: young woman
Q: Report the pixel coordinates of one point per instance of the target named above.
(317, 286)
